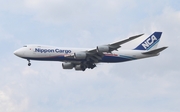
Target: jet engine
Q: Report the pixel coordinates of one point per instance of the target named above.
(80, 67)
(67, 65)
(80, 55)
(104, 48)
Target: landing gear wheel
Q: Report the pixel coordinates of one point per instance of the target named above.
(29, 64)
(93, 66)
(83, 68)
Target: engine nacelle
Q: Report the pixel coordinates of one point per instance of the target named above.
(67, 65)
(80, 55)
(79, 67)
(104, 48)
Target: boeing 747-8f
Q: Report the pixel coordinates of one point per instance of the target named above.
(81, 59)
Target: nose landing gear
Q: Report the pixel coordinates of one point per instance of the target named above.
(29, 63)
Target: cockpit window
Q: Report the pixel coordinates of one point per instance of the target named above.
(25, 46)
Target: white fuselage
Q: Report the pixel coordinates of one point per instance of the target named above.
(50, 53)
(81, 59)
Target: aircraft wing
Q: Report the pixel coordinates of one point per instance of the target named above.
(97, 54)
(94, 55)
(116, 45)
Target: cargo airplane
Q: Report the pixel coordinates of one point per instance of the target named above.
(81, 59)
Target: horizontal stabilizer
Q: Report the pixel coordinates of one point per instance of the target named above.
(156, 51)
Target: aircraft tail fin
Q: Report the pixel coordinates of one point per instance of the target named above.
(150, 43)
(155, 51)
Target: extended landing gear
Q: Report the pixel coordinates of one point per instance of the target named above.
(29, 63)
(87, 64)
(91, 65)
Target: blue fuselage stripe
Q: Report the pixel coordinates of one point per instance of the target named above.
(104, 59)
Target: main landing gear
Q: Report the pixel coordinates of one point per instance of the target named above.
(87, 64)
(91, 65)
(29, 63)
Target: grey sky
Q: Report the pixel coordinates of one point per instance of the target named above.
(143, 85)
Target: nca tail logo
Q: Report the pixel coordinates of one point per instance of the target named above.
(149, 42)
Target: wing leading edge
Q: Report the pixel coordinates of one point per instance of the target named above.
(96, 54)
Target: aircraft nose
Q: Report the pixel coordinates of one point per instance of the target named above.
(18, 53)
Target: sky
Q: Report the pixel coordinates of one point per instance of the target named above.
(147, 85)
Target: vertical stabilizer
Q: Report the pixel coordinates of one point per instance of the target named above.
(150, 43)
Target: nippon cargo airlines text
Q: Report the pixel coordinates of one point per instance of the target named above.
(52, 51)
